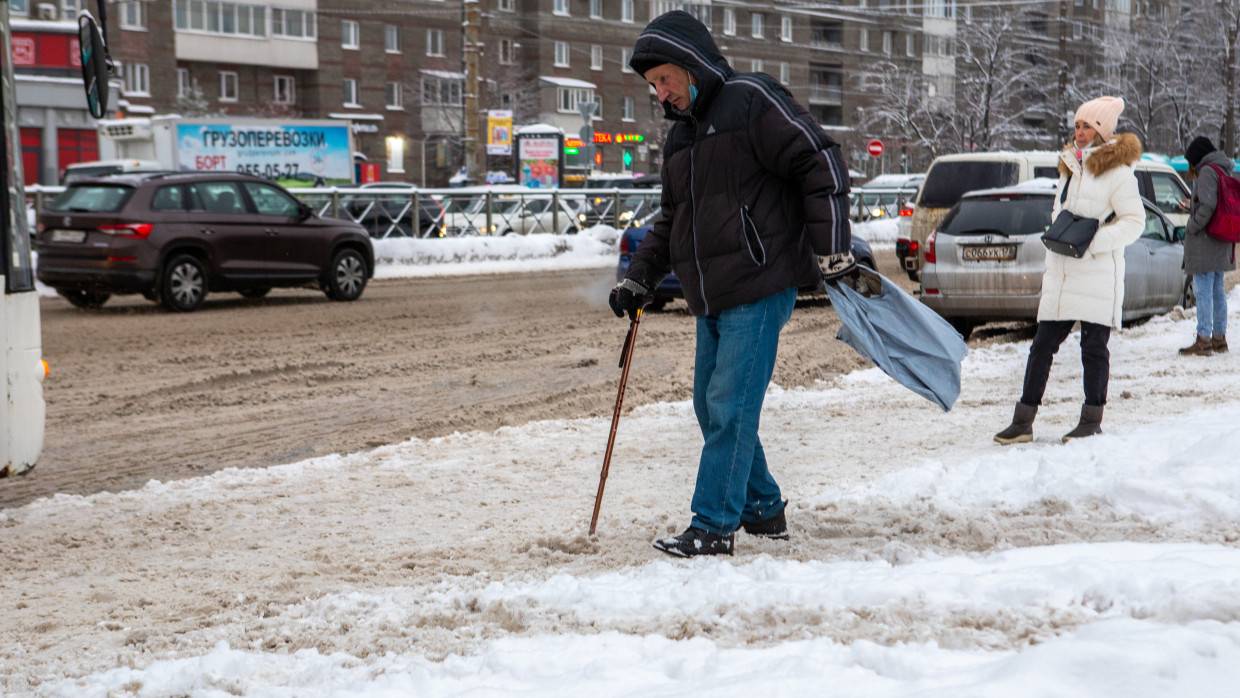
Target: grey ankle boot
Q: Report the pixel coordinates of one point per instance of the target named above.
(1090, 424)
(1021, 429)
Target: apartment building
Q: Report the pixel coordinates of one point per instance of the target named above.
(395, 69)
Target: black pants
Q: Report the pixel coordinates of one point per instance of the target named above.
(1095, 358)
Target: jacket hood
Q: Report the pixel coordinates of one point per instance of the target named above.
(1123, 149)
(677, 37)
(1219, 158)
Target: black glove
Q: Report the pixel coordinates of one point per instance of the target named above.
(627, 297)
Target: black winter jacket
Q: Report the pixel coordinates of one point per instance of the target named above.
(752, 187)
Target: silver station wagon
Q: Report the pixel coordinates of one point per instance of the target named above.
(984, 262)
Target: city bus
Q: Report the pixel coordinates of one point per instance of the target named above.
(22, 368)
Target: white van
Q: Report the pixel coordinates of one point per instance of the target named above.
(951, 176)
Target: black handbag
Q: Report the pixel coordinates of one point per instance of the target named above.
(1070, 234)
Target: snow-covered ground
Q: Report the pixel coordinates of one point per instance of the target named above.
(925, 560)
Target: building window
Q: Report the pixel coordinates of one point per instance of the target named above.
(185, 86)
(293, 24)
(434, 42)
(228, 86)
(864, 40)
(286, 89)
(624, 61)
(395, 153)
(561, 54)
(391, 38)
(729, 21)
(441, 91)
(888, 40)
(596, 9)
(910, 46)
(569, 97)
(626, 10)
(630, 107)
(19, 7)
(506, 5)
(755, 65)
(350, 34)
(349, 93)
(506, 54)
(560, 7)
(133, 15)
(137, 79)
(229, 18)
(393, 98)
(785, 28)
(757, 23)
(596, 57)
(784, 73)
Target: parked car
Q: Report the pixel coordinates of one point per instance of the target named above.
(885, 196)
(985, 261)
(385, 209)
(175, 237)
(952, 176)
(670, 288)
(514, 210)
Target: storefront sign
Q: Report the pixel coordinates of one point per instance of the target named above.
(604, 138)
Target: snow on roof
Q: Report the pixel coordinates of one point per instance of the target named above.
(21, 24)
(567, 82)
(540, 128)
(445, 74)
(22, 77)
(1038, 185)
(349, 116)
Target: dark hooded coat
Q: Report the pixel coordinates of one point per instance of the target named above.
(753, 188)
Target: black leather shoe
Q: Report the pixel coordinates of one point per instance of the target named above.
(695, 541)
(774, 527)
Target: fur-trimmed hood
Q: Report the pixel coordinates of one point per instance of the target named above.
(1123, 149)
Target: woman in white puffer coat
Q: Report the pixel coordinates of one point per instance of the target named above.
(1097, 171)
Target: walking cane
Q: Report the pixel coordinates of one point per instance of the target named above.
(626, 356)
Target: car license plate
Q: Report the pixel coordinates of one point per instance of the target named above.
(988, 253)
(68, 235)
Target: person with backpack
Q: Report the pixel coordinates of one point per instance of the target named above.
(1096, 181)
(1208, 255)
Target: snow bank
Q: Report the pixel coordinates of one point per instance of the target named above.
(882, 232)
(405, 257)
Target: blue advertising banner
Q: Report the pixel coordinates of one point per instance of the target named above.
(290, 155)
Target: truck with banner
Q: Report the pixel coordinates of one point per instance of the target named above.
(292, 153)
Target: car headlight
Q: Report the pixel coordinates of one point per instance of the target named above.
(626, 216)
(581, 218)
(491, 229)
(877, 213)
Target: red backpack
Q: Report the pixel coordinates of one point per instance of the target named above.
(1225, 223)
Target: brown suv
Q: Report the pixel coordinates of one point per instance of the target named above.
(175, 236)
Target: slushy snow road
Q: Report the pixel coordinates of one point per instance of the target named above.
(925, 560)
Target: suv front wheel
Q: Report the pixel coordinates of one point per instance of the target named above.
(346, 278)
(183, 286)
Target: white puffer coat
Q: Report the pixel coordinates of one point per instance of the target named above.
(1091, 288)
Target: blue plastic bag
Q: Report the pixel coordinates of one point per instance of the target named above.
(904, 338)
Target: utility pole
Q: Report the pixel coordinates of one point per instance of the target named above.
(472, 47)
(1061, 118)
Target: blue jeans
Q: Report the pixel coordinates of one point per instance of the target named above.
(1211, 304)
(734, 362)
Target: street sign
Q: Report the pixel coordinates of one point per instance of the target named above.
(586, 133)
(874, 147)
(587, 109)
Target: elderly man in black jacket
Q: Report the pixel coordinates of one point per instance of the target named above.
(753, 193)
